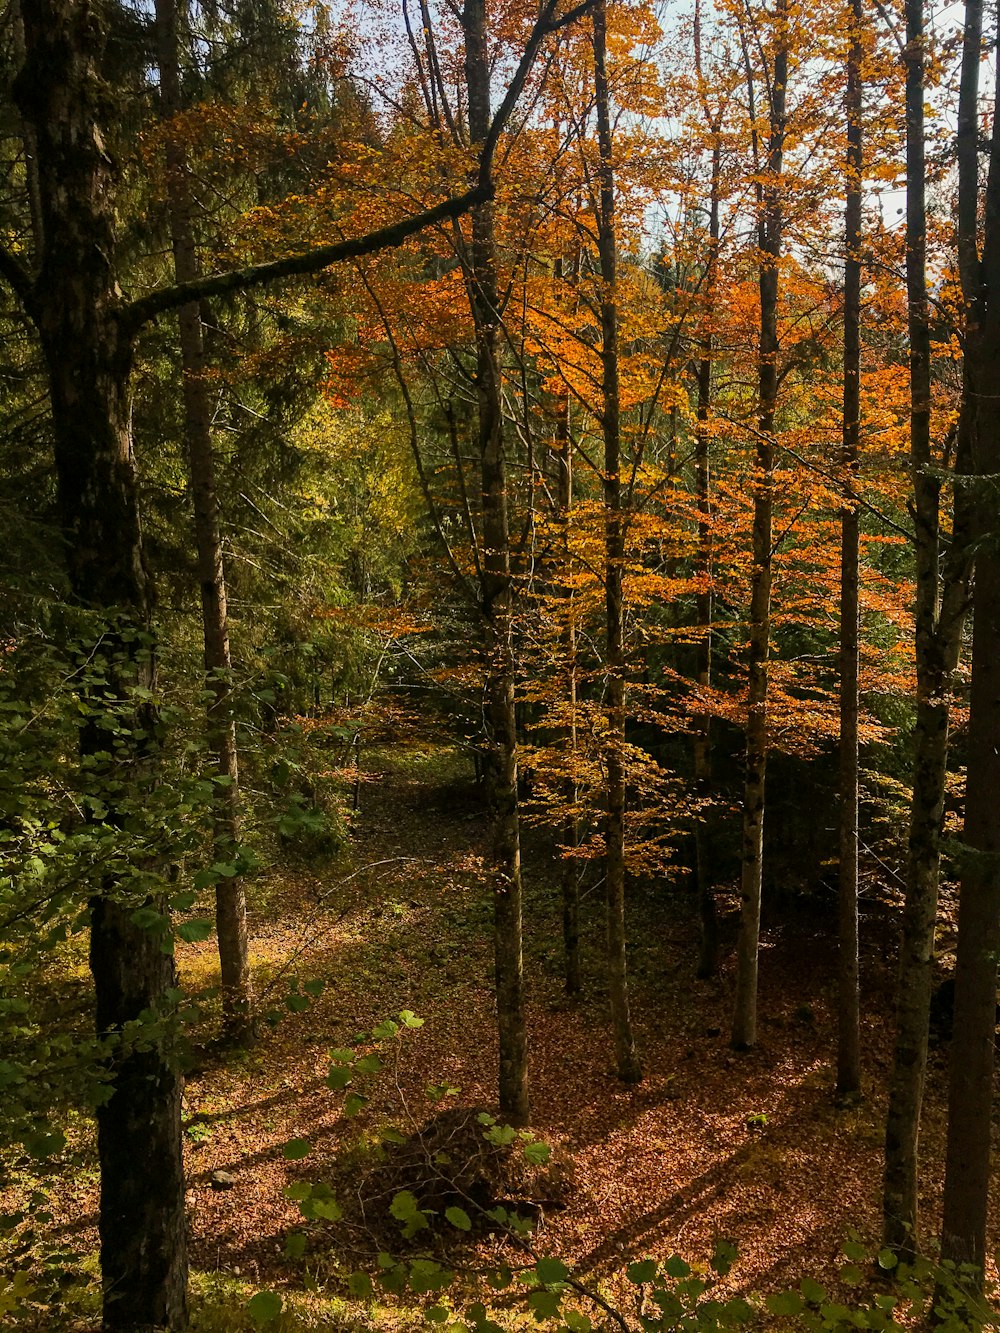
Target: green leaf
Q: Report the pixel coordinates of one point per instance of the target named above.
(204, 879)
(537, 1153)
(360, 1286)
(544, 1304)
(437, 1314)
(353, 1103)
(264, 1307)
(43, 1144)
(500, 1279)
(295, 1149)
(295, 1245)
(383, 1031)
(851, 1275)
(784, 1303)
(723, 1257)
(812, 1291)
(297, 1003)
(314, 986)
(550, 1269)
(643, 1271)
(298, 1190)
(458, 1217)
(338, 1078)
(676, 1267)
(195, 930)
(409, 1019)
(887, 1259)
(368, 1064)
(577, 1322)
(428, 1275)
(404, 1206)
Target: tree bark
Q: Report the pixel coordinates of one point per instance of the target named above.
(76, 306)
(571, 825)
(744, 1031)
(708, 945)
(629, 1068)
(848, 978)
(497, 604)
(941, 595)
(970, 1096)
(230, 897)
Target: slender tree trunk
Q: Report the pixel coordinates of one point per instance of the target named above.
(76, 309)
(708, 950)
(230, 898)
(629, 1068)
(939, 616)
(970, 1097)
(848, 979)
(497, 605)
(571, 825)
(744, 1032)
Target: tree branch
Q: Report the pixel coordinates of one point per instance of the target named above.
(546, 24)
(309, 261)
(17, 277)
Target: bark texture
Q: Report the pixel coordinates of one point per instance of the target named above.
(970, 1096)
(75, 304)
(941, 595)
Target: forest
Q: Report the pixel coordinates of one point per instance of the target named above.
(499, 665)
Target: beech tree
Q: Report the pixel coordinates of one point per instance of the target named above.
(848, 998)
(769, 158)
(629, 1068)
(970, 1096)
(942, 575)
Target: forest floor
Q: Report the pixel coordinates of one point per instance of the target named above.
(750, 1148)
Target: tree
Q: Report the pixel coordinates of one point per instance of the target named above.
(230, 897)
(496, 600)
(848, 996)
(629, 1068)
(941, 595)
(970, 1093)
(769, 229)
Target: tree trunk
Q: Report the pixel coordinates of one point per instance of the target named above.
(230, 898)
(571, 825)
(744, 1032)
(848, 995)
(629, 1068)
(708, 946)
(970, 1096)
(497, 606)
(76, 309)
(939, 619)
